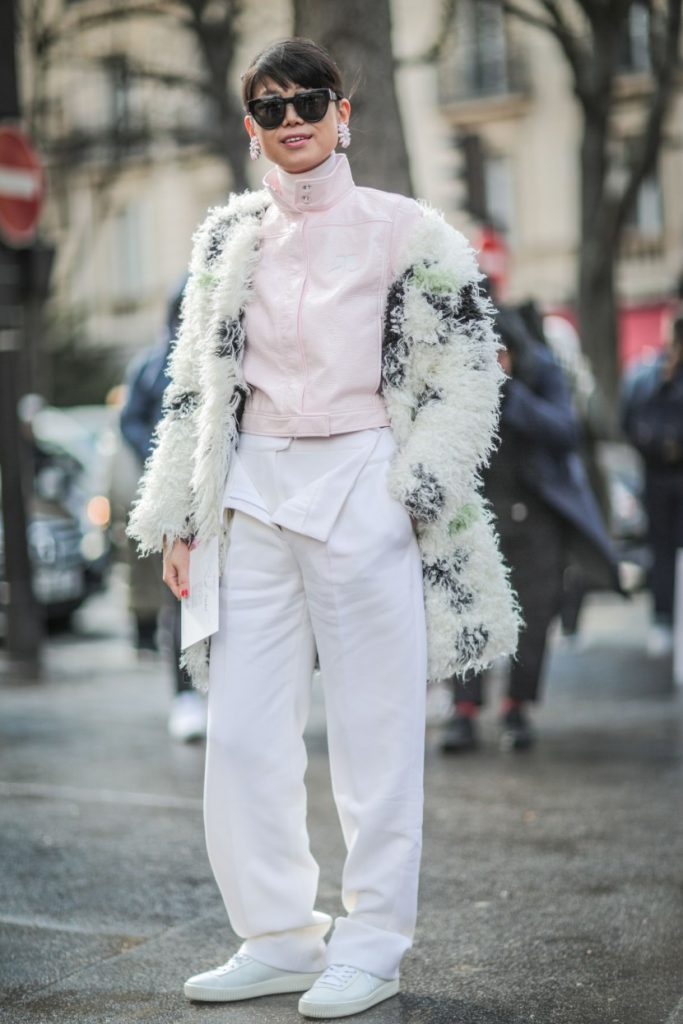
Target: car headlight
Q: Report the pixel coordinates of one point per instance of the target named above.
(98, 511)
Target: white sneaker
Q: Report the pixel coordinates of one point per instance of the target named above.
(244, 978)
(187, 720)
(660, 640)
(342, 990)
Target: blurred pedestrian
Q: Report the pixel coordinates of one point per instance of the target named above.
(145, 593)
(322, 443)
(652, 404)
(140, 415)
(547, 518)
(596, 425)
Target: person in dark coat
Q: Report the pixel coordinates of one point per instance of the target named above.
(652, 405)
(147, 383)
(547, 517)
(144, 387)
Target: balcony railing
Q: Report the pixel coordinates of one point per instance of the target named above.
(472, 75)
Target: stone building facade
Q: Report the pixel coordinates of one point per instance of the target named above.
(492, 127)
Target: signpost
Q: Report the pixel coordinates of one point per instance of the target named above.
(21, 194)
(21, 187)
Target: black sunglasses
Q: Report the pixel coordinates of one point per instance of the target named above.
(311, 106)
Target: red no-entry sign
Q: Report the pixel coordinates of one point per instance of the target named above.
(21, 186)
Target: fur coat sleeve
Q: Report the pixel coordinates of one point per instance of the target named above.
(442, 379)
(163, 510)
(441, 383)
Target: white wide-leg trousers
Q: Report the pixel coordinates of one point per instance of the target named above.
(357, 596)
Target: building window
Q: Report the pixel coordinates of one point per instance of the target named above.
(499, 194)
(486, 67)
(472, 175)
(131, 257)
(488, 183)
(634, 57)
(118, 79)
(646, 218)
(479, 61)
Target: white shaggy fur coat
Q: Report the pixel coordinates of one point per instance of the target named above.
(440, 381)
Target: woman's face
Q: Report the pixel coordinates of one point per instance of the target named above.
(297, 145)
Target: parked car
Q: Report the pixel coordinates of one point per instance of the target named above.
(58, 567)
(71, 469)
(68, 516)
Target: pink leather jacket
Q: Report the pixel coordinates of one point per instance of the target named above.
(314, 324)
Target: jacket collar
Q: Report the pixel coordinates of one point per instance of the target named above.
(300, 193)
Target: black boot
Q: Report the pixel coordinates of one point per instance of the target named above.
(146, 634)
(516, 731)
(460, 735)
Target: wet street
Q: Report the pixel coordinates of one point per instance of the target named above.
(552, 882)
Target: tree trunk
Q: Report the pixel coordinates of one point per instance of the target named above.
(597, 307)
(235, 143)
(358, 35)
(597, 313)
(217, 35)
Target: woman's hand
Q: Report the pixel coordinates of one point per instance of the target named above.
(177, 568)
(505, 361)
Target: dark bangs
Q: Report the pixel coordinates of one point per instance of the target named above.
(296, 61)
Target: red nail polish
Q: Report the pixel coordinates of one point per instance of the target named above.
(184, 593)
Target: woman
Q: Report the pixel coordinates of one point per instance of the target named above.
(546, 514)
(334, 393)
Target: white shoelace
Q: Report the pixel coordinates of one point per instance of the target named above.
(238, 960)
(337, 975)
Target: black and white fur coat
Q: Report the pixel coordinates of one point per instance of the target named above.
(440, 382)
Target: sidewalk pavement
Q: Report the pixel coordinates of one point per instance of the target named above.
(552, 882)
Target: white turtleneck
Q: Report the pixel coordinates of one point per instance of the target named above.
(287, 183)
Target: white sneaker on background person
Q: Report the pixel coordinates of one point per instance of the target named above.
(243, 977)
(660, 640)
(342, 990)
(187, 720)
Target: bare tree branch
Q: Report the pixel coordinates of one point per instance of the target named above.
(665, 66)
(53, 34)
(557, 16)
(434, 52)
(171, 79)
(514, 10)
(559, 28)
(579, 55)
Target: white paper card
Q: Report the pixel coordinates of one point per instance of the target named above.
(199, 611)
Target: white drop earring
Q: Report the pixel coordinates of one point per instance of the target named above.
(343, 134)
(254, 148)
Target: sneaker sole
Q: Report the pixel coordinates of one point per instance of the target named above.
(272, 987)
(326, 1011)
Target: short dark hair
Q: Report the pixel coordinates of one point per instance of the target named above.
(295, 61)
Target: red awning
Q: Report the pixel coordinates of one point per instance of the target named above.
(642, 331)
